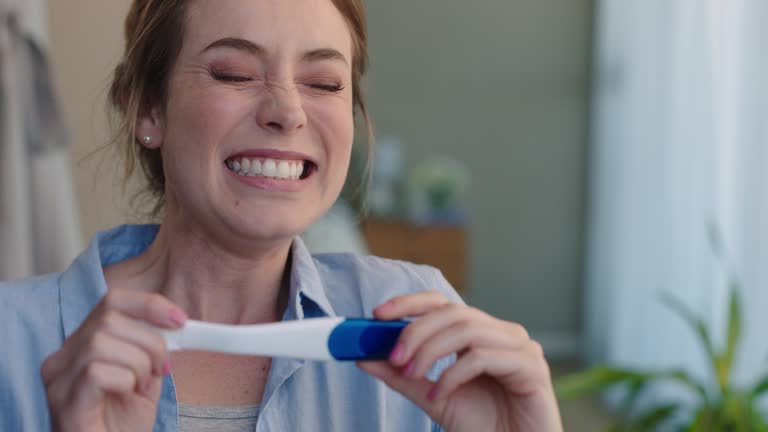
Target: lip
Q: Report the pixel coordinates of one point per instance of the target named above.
(270, 184)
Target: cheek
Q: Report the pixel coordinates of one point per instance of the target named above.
(203, 115)
(338, 137)
(197, 120)
(335, 124)
(198, 123)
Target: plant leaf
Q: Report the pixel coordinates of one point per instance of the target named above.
(734, 336)
(698, 326)
(683, 378)
(650, 421)
(633, 393)
(759, 389)
(655, 417)
(594, 380)
(734, 322)
(616, 427)
(758, 418)
(716, 242)
(734, 412)
(758, 421)
(703, 421)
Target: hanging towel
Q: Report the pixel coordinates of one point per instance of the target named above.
(39, 228)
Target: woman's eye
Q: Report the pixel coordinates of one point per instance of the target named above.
(331, 88)
(230, 78)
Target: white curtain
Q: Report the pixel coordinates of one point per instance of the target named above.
(679, 142)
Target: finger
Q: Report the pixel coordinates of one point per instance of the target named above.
(106, 349)
(101, 378)
(415, 390)
(428, 326)
(151, 308)
(51, 367)
(136, 333)
(114, 323)
(57, 392)
(59, 365)
(111, 350)
(520, 371)
(462, 336)
(410, 305)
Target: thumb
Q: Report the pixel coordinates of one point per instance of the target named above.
(414, 389)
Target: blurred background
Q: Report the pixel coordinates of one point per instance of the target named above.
(566, 164)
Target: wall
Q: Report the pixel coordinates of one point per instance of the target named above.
(502, 86)
(85, 44)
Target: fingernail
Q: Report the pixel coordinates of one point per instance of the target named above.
(432, 395)
(167, 367)
(384, 307)
(397, 354)
(408, 371)
(178, 317)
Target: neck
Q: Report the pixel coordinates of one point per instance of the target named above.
(210, 281)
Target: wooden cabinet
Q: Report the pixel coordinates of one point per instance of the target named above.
(443, 247)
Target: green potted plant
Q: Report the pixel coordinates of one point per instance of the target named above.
(718, 405)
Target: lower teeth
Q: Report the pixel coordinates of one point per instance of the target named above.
(232, 168)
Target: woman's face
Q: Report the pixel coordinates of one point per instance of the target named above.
(258, 125)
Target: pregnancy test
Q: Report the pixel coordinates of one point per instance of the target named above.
(322, 339)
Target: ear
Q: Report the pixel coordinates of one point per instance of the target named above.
(149, 128)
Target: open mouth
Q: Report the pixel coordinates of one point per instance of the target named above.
(276, 169)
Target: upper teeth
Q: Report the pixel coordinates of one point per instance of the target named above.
(272, 168)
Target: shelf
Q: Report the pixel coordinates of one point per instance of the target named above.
(443, 247)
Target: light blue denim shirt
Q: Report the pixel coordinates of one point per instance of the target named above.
(37, 314)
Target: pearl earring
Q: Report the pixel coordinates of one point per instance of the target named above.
(147, 140)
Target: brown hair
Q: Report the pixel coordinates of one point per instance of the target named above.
(154, 33)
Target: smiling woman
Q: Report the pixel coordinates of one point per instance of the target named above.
(241, 115)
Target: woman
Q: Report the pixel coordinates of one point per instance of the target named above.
(241, 115)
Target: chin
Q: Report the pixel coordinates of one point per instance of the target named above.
(274, 225)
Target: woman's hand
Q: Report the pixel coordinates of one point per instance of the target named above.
(108, 374)
(500, 381)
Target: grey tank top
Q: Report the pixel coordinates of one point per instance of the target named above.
(194, 418)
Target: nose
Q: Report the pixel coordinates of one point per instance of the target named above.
(281, 110)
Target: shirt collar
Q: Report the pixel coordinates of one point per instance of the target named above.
(308, 298)
(83, 285)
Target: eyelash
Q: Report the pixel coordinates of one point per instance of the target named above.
(230, 78)
(332, 88)
(237, 79)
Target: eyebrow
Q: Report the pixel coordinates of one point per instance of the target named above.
(236, 43)
(324, 54)
(258, 50)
